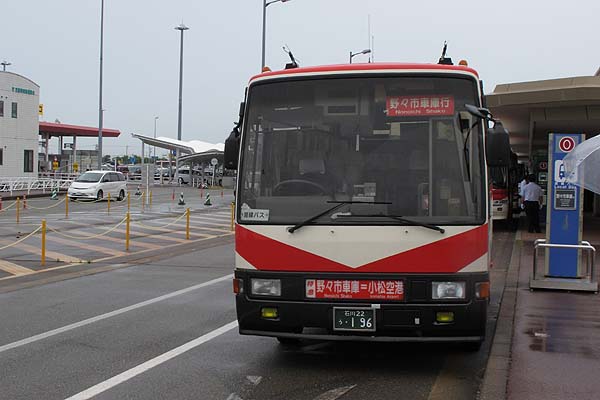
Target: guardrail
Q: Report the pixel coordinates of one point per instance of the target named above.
(584, 246)
(10, 185)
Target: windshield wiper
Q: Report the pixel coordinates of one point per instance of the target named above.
(338, 204)
(401, 219)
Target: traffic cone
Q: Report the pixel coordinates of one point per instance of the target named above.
(181, 200)
(173, 195)
(207, 202)
(138, 192)
(54, 194)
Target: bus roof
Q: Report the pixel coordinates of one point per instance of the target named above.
(362, 67)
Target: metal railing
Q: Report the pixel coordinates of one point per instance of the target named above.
(584, 246)
(26, 184)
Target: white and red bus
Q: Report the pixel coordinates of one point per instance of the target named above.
(362, 208)
(505, 191)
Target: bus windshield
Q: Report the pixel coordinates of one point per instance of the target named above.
(395, 141)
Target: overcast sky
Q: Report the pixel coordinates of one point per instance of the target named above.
(56, 44)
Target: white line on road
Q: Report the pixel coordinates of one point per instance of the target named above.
(88, 321)
(334, 394)
(135, 371)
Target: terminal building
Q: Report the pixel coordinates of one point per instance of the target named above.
(19, 130)
(533, 110)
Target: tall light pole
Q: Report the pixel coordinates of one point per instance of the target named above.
(365, 51)
(264, 27)
(155, 118)
(100, 116)
(4, 65)
(182, 28)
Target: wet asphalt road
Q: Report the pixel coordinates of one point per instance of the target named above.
(226, 366)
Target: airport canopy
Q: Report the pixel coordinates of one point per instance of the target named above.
(59, 130)
(195, 150)
(532, 110)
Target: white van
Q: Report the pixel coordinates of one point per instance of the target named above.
(97, 185)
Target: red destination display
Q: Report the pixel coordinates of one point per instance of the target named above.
(354, 289)
(411, 106)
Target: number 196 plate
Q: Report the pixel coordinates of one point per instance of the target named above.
(354, 319)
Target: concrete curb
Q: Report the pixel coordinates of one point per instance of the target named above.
(495, 380)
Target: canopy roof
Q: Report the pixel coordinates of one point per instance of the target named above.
(191, 147)
(57, 129)
(531, 110)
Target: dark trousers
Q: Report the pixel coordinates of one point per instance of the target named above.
(532, 210)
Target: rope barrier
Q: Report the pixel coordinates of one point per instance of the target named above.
(45, 208)
(6, 208)
(87, 237)
(162, 226)
(22, 239)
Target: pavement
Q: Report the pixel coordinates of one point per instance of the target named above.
(547, 342)
(163, 325)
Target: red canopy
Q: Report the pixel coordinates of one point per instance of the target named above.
(54, 129)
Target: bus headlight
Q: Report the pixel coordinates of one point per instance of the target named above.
(447, 290)
(266, 287)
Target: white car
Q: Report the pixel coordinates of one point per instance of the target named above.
(97, 185)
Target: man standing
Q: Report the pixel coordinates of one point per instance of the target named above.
(532, 199)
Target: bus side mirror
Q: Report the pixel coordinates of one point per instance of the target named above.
(232, 144)
(497, 146)
(232, 149)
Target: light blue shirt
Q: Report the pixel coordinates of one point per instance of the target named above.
(532, 192)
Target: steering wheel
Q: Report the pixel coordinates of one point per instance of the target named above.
(281, 186)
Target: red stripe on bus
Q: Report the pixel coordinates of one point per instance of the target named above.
(444, 256)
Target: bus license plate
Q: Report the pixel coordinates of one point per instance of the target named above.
(354, 319)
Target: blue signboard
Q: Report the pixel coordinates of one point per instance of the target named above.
(564, 214)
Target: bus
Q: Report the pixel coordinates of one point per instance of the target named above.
(505, 191)
(362, 203)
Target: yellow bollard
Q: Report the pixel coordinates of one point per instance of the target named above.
(232, 214)
(127, 218)
(43, 242)
(108, 204)
(151, 199)
(128, 201)
(66, 206)
(187, 224)
(18, 209)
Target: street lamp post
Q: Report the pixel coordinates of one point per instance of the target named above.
(154, 156)
(100, 114)
(182, 28)
(5, 64)
(365, 51)
(264, 27)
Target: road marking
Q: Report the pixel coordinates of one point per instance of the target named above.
(86, 245)
(253, 379)
(50, 255)
(14, 269)
(135, 371)
(334, 394)
(110, 314)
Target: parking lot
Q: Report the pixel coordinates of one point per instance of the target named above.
(93, 232)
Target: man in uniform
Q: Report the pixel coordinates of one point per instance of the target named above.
(532, 200)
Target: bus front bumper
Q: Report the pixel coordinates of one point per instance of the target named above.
(405, 321)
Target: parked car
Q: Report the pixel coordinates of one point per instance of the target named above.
(97, 185)
(185, 177)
